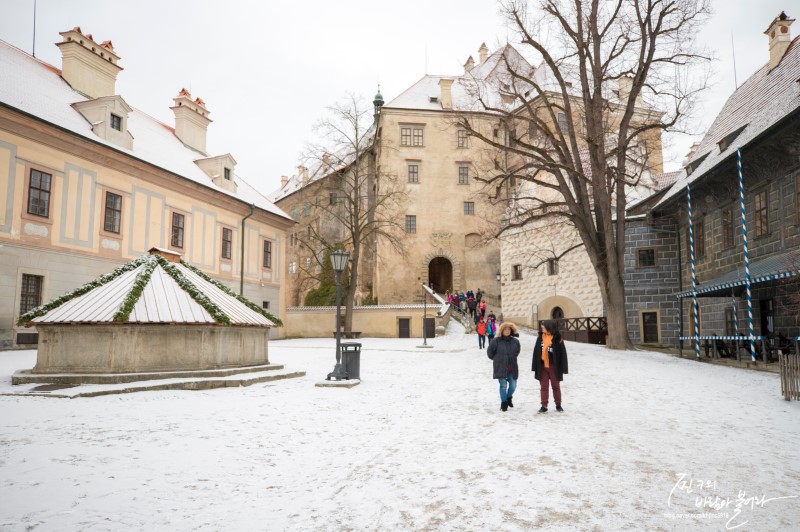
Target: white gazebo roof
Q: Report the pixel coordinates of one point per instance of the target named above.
(149, 290)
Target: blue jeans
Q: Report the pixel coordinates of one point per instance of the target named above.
(507, 387)
(481, 341)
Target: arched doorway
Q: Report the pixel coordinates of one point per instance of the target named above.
(440, 275)
(557, 313)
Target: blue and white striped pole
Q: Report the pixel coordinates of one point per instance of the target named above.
(694, 275)
(746, 256)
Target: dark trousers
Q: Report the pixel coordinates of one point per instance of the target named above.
(549, 378)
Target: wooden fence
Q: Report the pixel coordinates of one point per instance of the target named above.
(587, 330)
(790, 376)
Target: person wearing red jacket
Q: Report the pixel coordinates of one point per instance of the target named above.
(480, 327)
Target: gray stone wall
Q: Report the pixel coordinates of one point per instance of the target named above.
(651, 288)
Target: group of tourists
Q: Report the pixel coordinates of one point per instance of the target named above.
(549, 363)
(471, 303)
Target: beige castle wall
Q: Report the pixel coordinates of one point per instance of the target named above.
(575, 289)
(438, 203)
(375, 322)
(82, 174)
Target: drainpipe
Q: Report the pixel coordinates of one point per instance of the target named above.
(241, 257)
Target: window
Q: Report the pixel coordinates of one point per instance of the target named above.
(699, 240)
(332, 198)
(227, 242)
(797, 199)
(405, 136)
(307, 209)
(730, 325)
(308, 263)
(267, 254)
(762, 221)
(294, 213)
(265, 305)
(293, 267)
(516, 272)
(469, 208)
(463, 175)
(116, 122)
(417, 136)
(31, 293)
(552, 266)
(413, 173)
(646, 258)
(727, 228)
(461, 138)
(563, 126)
(293, 239)
(39, 194)
(228, 174)
(177, 230)
(113, 214)
(411, 223)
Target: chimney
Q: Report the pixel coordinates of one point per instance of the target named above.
(484, 53)
(191, 120)
(284, 180)
(691, 154)
(88, 67)
(469, 65)
(446, 97)
(625, 84)
(779, 38)
(302, 171)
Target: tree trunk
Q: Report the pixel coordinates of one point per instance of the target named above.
(351, 290)
(615, 310)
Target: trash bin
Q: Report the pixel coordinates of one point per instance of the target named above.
(351, 359)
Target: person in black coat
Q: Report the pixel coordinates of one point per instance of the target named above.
(504, 351)
(549, 363)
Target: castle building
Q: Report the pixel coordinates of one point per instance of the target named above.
(89, 182)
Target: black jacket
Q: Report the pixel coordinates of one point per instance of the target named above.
(558, 358)
(503, 351)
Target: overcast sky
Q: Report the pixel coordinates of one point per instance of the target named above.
(267, 70)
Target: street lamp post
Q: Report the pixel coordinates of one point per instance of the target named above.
(425, 317)
(339, 261)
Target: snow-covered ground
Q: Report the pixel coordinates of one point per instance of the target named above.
(421, 444)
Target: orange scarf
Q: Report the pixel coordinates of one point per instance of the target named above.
(547, 340)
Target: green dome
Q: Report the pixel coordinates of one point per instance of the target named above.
(378, 96)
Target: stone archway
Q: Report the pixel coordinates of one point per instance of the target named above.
(455, 268)
(440, 274)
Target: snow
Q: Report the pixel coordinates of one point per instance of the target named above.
(420, 444)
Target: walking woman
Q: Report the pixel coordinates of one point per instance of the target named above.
(504, 351)
(549, 363)
(480, 328)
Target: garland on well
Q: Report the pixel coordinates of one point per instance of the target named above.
(100, 281)
(124, 312)
(216, 312)
(249, 304)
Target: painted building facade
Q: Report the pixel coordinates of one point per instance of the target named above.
(760, 119)
(90, 183)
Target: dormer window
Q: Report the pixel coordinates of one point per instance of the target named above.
(228, 174)
(728, 139)
(116, 122)
(434, 99)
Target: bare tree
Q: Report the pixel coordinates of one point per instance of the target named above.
(354, 203)
(584, 127)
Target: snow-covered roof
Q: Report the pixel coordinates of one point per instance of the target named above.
(151, 290)
(487, 77)
(768, 96)
(36, 88)
(337, 161)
